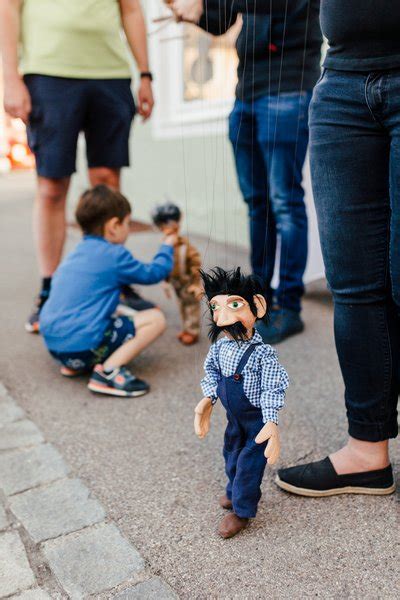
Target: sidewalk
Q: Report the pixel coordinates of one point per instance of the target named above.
(159, 485)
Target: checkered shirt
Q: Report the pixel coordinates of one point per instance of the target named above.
(264, 378)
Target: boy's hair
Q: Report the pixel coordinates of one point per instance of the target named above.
(163, 213)
(218, 281)
(97, 206)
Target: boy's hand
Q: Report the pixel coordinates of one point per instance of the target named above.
(171, 239)
(202, 417)
(270, 432)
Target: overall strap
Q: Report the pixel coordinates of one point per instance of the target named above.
(245, 358)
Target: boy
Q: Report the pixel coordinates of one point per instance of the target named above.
(78, 322)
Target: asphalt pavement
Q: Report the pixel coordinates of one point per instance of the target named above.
(160, 485)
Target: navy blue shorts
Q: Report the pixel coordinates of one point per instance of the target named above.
(62, 107)
(120, 331)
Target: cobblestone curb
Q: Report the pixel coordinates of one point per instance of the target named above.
(56, 541)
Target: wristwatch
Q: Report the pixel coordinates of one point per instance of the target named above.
(147, 74)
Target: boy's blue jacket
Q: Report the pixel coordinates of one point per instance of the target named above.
(85, 291)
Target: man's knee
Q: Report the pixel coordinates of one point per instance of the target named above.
(52, 191)
(105, 176)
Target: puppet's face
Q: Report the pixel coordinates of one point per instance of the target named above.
(230, 309)
(171, 227)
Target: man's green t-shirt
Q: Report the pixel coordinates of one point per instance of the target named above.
(73, 38)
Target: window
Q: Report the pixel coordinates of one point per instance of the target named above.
(195, 76)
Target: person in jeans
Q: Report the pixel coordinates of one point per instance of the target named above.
(73, 76)
(279, 63)
(355, 165)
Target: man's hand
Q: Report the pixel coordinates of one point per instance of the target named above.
(186, 10)
(145, 98)
(202, 417)
(17, 100)
(270, 432)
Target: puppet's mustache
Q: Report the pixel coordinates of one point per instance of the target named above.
(237, 331)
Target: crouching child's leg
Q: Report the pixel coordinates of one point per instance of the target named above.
(112, 377)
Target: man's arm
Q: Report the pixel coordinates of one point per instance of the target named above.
(194, 10)
(17, 101)
(135, 30)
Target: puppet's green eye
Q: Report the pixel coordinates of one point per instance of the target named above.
(235, 304)
(213, 306)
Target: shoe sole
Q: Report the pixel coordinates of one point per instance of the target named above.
(32, 328)
(72, 374)
(103, 389)
(349, 489)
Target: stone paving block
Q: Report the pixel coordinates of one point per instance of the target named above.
(18, 434)
(34, 594)
(153, 589)
(9, 411)
(15, 572)
(23, 469)
(61, 507)
(3, 518)
(92, 560)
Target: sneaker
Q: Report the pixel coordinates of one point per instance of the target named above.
(319, 479)
(129, 297)
(282, 324)
(67, 372)
(120, 382)
(32, 324)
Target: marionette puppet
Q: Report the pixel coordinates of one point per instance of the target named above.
(244, 373)
(185, 275)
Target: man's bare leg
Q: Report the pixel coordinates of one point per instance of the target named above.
(106, 176)
(49, 223)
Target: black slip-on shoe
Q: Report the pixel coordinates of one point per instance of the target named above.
(319, 479)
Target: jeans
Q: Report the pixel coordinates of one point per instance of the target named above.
(269, 138)
(355, 166)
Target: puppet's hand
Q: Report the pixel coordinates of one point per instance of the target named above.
(270, 432)
(202, 417)
(196, 290)
(167, 289)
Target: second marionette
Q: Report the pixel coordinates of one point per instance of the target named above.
(185, 276)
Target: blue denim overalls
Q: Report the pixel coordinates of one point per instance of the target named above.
(244, 459)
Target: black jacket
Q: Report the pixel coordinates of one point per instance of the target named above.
(278, 50)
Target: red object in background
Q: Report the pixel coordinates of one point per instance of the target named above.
(16, 153)
(272, 47)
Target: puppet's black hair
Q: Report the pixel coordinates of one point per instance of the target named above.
(218, 281)
(234, 282)
(163, 213)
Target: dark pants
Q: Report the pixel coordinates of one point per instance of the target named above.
(269, 139)
(244, 459)
(355, 163)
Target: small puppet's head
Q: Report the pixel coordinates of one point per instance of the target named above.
(167, 217)
(235, 300)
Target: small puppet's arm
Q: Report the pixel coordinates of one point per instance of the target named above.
(194, 265)
(209, 386)
(274, 381)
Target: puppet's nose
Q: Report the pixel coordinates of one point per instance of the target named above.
(225, 318)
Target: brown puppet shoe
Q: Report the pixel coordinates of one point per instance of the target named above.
(187, 338)
(231, 525)
(224, 502)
